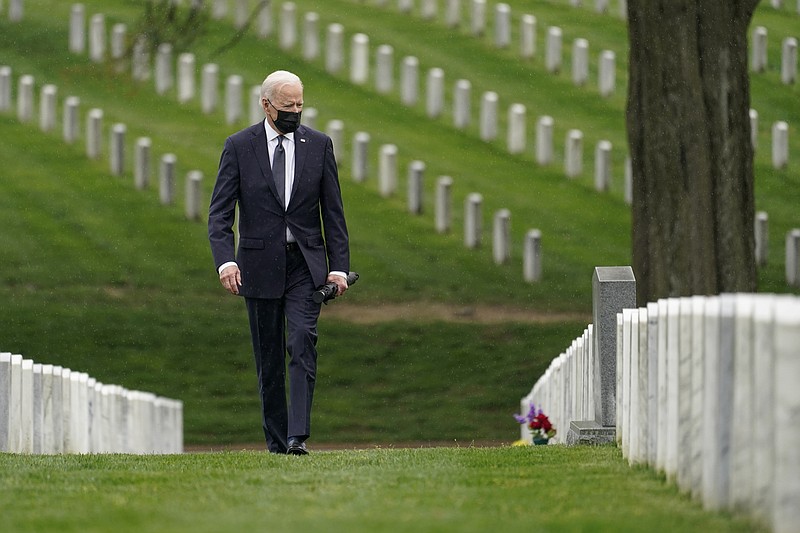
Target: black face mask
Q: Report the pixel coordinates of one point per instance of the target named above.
(287, 121)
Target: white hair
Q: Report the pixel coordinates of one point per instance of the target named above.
(276, 81)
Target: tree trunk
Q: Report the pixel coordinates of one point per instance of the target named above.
(689, 132)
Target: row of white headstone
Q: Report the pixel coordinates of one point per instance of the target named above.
(387, 181)
(706, 393)
(758, 55)
(48, 409)
(48, 117)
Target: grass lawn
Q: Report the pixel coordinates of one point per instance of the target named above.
(541, 488)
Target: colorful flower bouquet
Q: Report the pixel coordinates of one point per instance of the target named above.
(540, 426)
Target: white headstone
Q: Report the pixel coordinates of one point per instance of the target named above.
(194, 181)
(742, 451)
(186, 77)
(405, 6)
(502, 25)
(489, 102)
(764, 405)
(416, 175)
(26, 407)
(48, 406)
(116, 154)
(288, 25)
(473, 220)
(77, 29)
(58, 411)
(580, 61)
(97, 38)
(241, 13)
(308, 118)
(119, 38)
(209, 92)
(387, 170)
(478, 17)
(652, 382)
(661, 386)
(461, 104)
(5, 405)
(265, 20)
(15, 10)
(5, 88)
(334, 48)
(234, 86)
(785, 511)
(544, 140)
(516, 128)
(452, 14)
(310, 36)
(429, 9)
(435, 93)
(573, 155)
(166, 179)
(66, 411)
(780, 144)
(384, 69)
(789, 61)
(601, 6)
(602, 166)
(47, 108)
(25, 103)
(71, 119)
(754, 128)
(360, 156)
(219, 9)
(140, 61)
(335, 131)
(793, 258)
(528, 36)
(501, 237)
(94, 132)
(141, 174)
(409, 81)
(607, 73)
(443, 203)
(758, 47)
(628, 180)
(532, 256)
(553, 49)
(762, 238)
(164, 77)
(255, 111)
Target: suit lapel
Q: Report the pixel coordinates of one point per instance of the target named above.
(300, 153)
(259, 143)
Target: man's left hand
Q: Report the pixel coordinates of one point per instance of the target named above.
(340, 282)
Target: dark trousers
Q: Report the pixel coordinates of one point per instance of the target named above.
(277, 326)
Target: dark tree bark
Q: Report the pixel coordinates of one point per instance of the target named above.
(689, 133)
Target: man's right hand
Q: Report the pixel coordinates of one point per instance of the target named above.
(231, 279)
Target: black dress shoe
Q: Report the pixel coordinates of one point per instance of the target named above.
(296, 447)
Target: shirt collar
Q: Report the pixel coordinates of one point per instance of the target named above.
(272, 134)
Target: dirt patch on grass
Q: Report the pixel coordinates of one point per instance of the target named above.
(427, 311)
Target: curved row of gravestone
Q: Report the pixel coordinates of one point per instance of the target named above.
(48, 409)
(685, 375)
(686, 368)
(544, 144)
(94, 136)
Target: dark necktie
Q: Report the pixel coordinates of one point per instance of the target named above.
(279, 169)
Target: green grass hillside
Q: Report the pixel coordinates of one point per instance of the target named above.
(100, 277)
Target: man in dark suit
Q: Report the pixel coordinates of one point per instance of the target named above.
(284, 178)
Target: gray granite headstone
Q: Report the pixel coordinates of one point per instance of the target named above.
(613, 289)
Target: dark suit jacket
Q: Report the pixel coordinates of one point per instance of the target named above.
(316, 202)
